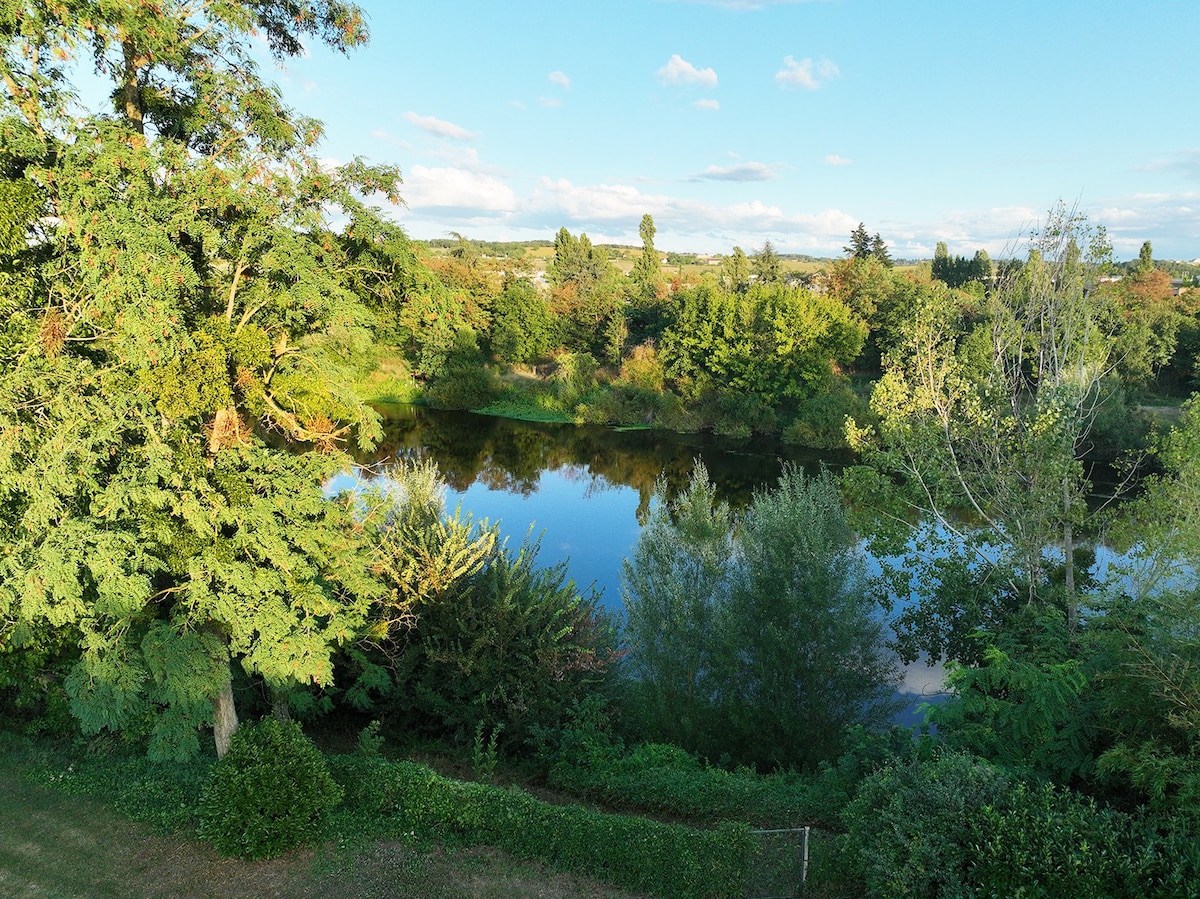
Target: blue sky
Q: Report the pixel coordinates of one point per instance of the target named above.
(737, 122)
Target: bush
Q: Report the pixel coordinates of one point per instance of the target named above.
(630, 852)
(663, 779)
(820, 422)
(909, 821)
(268, 794)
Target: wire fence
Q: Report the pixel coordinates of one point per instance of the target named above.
(780, 868)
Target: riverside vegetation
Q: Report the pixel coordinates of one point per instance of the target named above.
(186, 344)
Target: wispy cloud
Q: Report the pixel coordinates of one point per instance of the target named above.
(560, 78)
(679, 71)
(707, 104)
(382, 134)
(806, 73)
(834, 159)
(1186, 163)
(550, 102)
(747, 171)
(440, 127)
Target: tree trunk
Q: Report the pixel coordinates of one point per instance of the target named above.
(130, 89)
(1069, 553)
(225, 720)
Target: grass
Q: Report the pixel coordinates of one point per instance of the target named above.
(58, 845)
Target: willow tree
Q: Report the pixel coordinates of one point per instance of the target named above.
(168, 410)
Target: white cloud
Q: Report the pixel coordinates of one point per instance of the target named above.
(549, 102)
(679, 71)
(559, 78)
(614, 211)
(805, 73)
(834, 159)
(440, 127)
(455, 188)
(707, 104)
(748, 171)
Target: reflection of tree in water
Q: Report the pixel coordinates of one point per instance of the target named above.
(511, 455)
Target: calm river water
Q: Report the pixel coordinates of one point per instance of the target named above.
(585, 489)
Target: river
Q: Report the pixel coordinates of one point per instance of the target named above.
(586, 489)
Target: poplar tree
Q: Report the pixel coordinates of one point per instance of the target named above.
(647, 271)
(170, 400)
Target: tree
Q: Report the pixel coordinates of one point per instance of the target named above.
(521, 324)
(1152, 681)
(182, 289)
(773, 342)
(674, 588)
(1001, 440)
(860, 243)
(1145, 258)
(735, 271)
(766, 265)
(809, 658)
(754, 634)
(879, 250)
(647, 271)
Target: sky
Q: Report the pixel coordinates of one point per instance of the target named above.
(734, 122)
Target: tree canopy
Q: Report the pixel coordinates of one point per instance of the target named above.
(178, 307)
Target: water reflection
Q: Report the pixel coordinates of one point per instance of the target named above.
(512, 456)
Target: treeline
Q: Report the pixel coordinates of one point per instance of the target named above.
(749, 347)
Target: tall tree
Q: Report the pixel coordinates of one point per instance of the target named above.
(1002, 439)
(179, 310)
(735, 271)
(647, 271)
(753, 634)
(860, 243)
(766, 265)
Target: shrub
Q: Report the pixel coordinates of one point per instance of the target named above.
(820, 422)
(268, 794)
(512, 646)
(634, 853)
(908, 824)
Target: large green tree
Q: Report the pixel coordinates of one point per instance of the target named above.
(176, 296)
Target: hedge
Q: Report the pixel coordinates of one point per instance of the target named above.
(633, 853)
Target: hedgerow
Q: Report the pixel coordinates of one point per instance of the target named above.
(634, 853)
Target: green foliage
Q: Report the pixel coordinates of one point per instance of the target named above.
(753, 636)
(268, 794)
(1022, 706)
(510, 646)
(909, 822)
(766, 265)
(165, 795)
(772, 342)
(953, 826)
(820, 422)
(521, 324)
(188, 300)
(661, 779)
(633, 853)
(647, 270)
